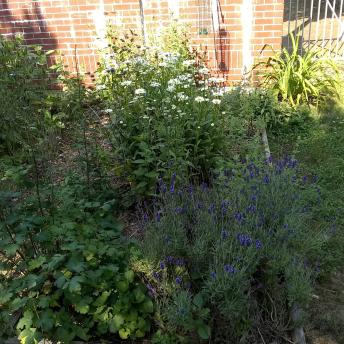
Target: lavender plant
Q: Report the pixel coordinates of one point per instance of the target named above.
(246, 236)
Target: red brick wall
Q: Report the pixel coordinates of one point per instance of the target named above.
(67, 25)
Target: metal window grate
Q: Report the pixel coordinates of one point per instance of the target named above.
(204, 17)
(320, 23)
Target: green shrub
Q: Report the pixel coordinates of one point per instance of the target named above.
(24, 110)
(246, 244)
(174, 38)
(66, 269)
(163, 111)
(310, 78)
(258, 108)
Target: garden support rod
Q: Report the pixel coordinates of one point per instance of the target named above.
(143, 28)
(266, 145)
(298, 334)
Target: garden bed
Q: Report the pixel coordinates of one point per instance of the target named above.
(148, 209)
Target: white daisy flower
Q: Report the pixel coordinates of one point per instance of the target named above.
(182, 97)
(126, 83)
(155, 84)
(204, 70)
(199, 99)
(218, 94)
(188, 63)
(216, 101)
(140, 91)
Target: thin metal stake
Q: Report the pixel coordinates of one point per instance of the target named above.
(143, 29)
(289, 20)
(310, 24)
(296, 16)
(303, 24)
(339, 30)
(332, 20)
(324, 26)
(317, 27)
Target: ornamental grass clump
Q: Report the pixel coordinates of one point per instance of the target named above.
(308, 78)
(245, 246)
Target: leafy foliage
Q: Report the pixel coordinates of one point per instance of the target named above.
(24, 77)
(309, 78)
(66, 270)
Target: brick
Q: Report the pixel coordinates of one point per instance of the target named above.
(67, 24)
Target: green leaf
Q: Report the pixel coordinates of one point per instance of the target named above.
(61, 282)
(116, 322)
(74, 285)
(82, 333)
(100, 301)
(32, 280)
(18, 303)
(138, 295)
(124, 333)
(46, 320)
(76, 264)
(198, 300)
(11, 250)
(65, 335)
(122, 286)
(147, 306)
(54, 261)
(44, 301)
(5, 297)
(29, 336)
(82, 307)
(139, 334)
(129, 275)
(204, 331)
(25, 321)
(36, 263)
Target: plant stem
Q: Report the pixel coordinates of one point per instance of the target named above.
(37, 184)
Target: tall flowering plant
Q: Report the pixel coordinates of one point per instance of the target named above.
(164, 110)
(246, 236)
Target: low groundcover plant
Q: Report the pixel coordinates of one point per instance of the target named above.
(65, 272)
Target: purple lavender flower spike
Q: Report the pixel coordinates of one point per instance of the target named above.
(266, 179)
(244, 240)
(224, 234)
(230, 269)
(178, 280)
(145, 218)
(158, 216)
(239, 217)
(173, 182)
(259, 244)
(169, 259)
